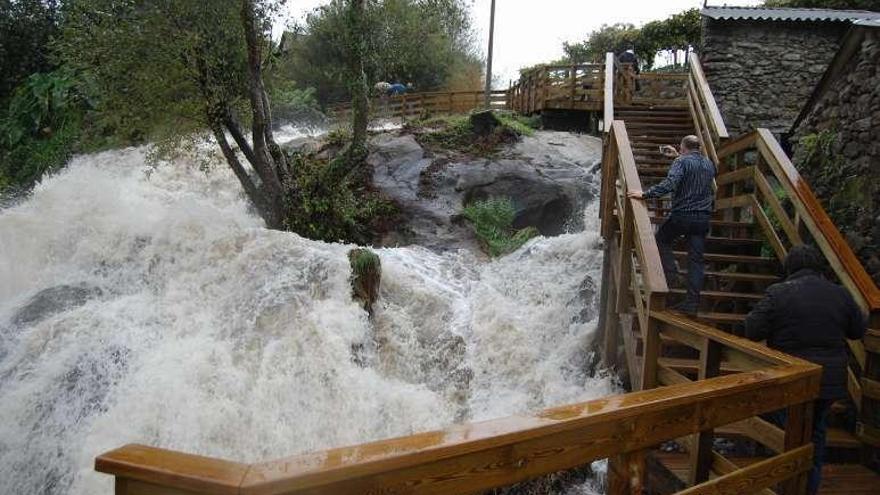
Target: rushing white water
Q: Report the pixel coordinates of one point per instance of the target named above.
(195, 328)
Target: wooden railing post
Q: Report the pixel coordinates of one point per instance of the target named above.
(798, 432)
(626, 473)
(608, 114)
(701, 450)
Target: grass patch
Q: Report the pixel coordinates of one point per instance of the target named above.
(492, 221)
(455, 133)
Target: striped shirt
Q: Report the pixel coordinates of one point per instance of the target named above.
(690, 181)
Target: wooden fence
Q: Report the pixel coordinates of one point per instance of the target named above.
(758, 180)
(568, 87)
(415, 105)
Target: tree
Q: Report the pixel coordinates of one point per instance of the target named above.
(173, 69)
(677, 32)
(873, 5)
(423, 42)
(26, 27)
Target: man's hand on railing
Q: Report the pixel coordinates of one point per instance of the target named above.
(636, 195)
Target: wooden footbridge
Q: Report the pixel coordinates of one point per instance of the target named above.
(692, 379)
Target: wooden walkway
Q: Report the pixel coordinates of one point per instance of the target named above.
(837, 479)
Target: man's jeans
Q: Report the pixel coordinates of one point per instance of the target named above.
(695, 227)
(820, 425)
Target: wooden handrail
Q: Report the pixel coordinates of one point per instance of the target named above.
(608, 115)
(701, 86)
(487, 454)
(830, 241)
(642, 230)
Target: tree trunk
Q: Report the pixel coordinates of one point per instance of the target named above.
(360, 105)
(265, 151)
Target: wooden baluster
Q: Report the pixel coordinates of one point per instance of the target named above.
(701, 451)
(798, 432)
(626, 473)
(624, 271)
(651, 341)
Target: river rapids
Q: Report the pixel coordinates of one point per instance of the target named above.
(146, 303)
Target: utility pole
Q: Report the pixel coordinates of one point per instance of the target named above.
(489, 58)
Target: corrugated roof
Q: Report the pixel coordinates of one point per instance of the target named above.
(787, 14)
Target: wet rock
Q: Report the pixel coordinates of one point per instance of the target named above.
(547, 176)
(366, 274)
(54, 300)
(484, 122)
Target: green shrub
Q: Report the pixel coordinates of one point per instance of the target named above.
(455, 133)
(334, 211)
(492, 221)
(366, 274)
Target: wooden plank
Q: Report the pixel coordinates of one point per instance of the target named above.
(186, 472)
(608, 115)
(798, 433)
(668, 376)
(870, 388)
(740, 201)
(838, 252)
(871, 341)
(480, 459)
(769, 231)
(857, 348)
(759, 430)
(626, 473)
(758, 476)
(134, 487)
(705, 93)
(781, 215)
(704, 129)
(737, 175)
(854, 388)
(701, 453)
(722, 466)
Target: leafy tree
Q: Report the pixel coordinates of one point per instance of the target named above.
(873, 5)
(677, 32)
(172, 69)
(423, 42)
(26, 27)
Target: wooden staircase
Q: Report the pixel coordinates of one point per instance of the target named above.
(763, 209)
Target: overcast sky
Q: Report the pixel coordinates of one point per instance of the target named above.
(528, 32)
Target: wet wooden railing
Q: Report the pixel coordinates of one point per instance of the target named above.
(758, 180)
(414, 105)
(704, 110)
(568, 87)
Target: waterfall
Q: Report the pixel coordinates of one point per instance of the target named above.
(147, 303)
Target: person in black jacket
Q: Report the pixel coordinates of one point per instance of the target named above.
(810, 317)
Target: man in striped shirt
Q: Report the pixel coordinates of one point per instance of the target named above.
(690, 180)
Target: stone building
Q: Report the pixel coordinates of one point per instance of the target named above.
(763, 63)
(836, 139)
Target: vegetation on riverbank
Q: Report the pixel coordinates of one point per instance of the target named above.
(492, 221)
(456, 133)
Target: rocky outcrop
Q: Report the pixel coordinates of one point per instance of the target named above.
(54, 300)
(547, 176)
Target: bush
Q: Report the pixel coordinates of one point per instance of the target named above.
(455, 133)
(334, 211)
(40, 129)
(492, 221)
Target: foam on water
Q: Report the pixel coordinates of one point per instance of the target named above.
(209, 334)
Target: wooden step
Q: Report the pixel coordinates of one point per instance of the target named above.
(739, 276)
(732, 258)
(712, 294)
(730, 318)
(842, 439)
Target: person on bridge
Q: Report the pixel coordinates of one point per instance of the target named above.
(810, 317)
(691, 181)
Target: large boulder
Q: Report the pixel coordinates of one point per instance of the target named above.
(54, 300)
(549, 177)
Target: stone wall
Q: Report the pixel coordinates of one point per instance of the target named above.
(846, 177)
(762, 72)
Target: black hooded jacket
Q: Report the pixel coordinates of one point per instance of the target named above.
(810, 317)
